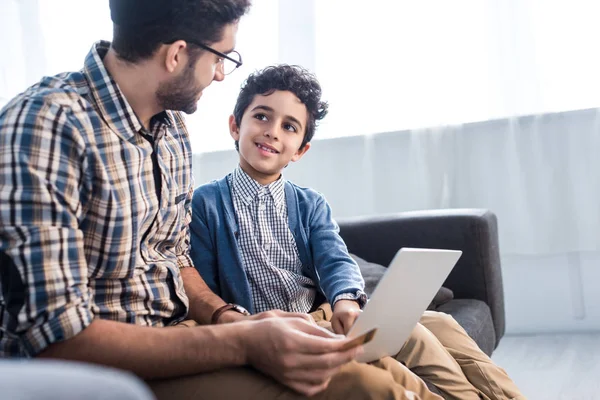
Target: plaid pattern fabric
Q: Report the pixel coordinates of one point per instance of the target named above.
(268, 248)
(83, 231)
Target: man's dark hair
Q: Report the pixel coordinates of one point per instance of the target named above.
(292, 78)
(141, 26)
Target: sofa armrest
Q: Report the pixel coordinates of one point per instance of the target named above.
(477, 275)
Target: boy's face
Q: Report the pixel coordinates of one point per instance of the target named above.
(270, 134)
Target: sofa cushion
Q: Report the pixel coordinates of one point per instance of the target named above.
(372, 273)
(476, 318)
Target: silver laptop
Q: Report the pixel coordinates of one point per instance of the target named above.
(402, 295)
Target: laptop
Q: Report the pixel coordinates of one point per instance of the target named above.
(399, 300)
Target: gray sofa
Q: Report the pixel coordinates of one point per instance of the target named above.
(476, 280)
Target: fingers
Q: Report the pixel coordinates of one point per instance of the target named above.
(282, 314)
(337, 325)
(302, 365)
(303, 316)
(312, 333)
(342, 322)
(307, 389)
(299, 354)
(313, 377)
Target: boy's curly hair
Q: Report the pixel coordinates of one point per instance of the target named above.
(292, 78)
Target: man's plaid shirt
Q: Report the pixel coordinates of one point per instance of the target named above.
(83, 231)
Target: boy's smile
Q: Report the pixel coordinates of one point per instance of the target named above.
(270, 134)
(267, 149)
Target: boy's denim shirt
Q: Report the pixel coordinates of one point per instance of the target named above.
(216, 255)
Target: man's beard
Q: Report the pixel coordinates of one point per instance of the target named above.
(180, 94)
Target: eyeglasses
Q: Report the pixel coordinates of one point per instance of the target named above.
(230, 62)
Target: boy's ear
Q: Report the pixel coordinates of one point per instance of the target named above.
(234, 130)
(301, 152)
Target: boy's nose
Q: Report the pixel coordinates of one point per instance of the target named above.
(272, 132)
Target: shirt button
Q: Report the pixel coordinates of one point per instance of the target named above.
(262, 207)
(267, 246)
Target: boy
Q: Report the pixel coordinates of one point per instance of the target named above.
(263, 243)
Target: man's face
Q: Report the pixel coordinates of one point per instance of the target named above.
(270, 134)
(183, 91)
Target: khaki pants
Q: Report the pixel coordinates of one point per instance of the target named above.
(386, 379)
(441, 352)
(438, 350)
(442, 334)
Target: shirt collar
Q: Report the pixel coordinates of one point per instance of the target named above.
(246, 189)
(109, 99)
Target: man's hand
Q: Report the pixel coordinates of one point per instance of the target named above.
(345, 313)
(233, 316)
(295, 352)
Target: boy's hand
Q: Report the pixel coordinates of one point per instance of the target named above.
(232, 316)
(345, 313)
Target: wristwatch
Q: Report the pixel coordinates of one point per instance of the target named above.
(228, 307)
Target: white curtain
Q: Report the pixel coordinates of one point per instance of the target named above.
(12, 60)
(388, 66)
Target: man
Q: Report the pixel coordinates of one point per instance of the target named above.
(95, 191)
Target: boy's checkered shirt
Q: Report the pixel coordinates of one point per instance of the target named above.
(269, 251)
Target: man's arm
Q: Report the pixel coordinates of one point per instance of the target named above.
(153, 352)
(296, 353)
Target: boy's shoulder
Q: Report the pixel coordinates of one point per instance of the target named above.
(306, 194)
(209, 191)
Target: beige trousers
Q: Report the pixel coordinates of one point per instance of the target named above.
(386, 379)
(438, 350)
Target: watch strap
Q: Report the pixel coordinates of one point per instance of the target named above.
(219, 311)
(227, 307)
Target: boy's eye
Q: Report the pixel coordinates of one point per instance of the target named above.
(290, 127)
(261, 117)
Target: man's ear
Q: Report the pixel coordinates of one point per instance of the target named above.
(175, 56)
(234, 130)
(301, 152)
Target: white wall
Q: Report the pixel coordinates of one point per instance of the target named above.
(552, 293)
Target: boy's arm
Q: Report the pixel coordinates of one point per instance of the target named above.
(340, 277)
